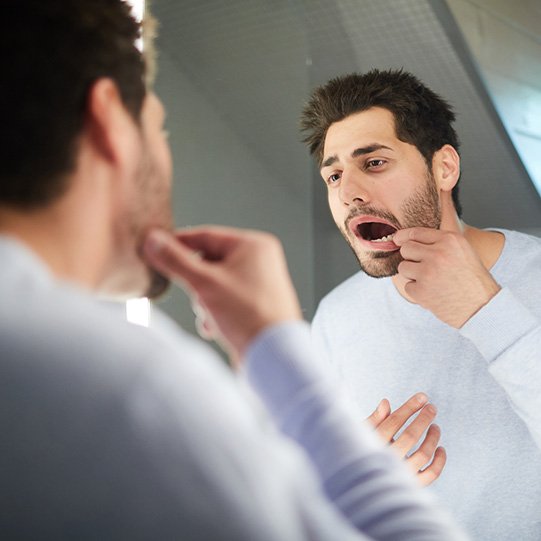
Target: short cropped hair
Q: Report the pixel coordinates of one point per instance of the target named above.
(422, 118)
(52, 53)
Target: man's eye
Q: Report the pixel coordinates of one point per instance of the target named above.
(373, 164)
(333, 179)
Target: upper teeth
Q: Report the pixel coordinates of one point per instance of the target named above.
(384, 239)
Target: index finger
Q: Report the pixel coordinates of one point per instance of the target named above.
(213, 242)
(390, 426)
(424, 235)
(173, 259)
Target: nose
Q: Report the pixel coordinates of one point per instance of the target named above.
(352, 187)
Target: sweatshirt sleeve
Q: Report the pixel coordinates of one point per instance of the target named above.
(508, 336)
(364, 480)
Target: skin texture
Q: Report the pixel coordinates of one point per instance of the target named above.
(434, 259)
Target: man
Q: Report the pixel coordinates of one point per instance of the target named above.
(115, 432)
(440, 306)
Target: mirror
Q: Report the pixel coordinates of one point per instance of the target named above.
(234, 77)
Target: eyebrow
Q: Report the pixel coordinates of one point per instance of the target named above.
(361, 151)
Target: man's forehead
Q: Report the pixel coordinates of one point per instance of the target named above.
(375, 125)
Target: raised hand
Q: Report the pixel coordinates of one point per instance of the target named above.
(443, 274)
(237, 278)
(428, 460)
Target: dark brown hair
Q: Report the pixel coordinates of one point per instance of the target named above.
(422, 118)
(53, 51)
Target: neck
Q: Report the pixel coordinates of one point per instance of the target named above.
(69, 237)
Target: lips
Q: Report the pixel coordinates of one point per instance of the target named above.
(373, 232)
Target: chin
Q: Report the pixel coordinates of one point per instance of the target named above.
(380, 264)
(157, 285)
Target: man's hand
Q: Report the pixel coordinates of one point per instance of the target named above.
(444, 274)
(237, 278)
(428, 460)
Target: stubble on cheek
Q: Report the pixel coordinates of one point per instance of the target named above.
(153, 210)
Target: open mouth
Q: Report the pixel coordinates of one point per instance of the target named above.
(376, 231)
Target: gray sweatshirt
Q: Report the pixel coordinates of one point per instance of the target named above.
(485, 380)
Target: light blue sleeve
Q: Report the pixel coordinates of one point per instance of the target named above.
(364, 480)
(508, 336)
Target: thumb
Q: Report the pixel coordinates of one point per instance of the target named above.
(380, 413)
(173, 259)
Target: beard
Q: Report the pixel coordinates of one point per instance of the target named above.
(422, 209)
(158, 285)
(152, 208)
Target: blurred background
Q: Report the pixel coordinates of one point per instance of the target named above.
(235, 75)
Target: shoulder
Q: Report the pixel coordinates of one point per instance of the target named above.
(71, 361)
(61, 331)
(103, 411)
(519, 267)
(524, 240)
(521, 253)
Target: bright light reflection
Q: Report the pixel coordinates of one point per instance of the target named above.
(138, 310)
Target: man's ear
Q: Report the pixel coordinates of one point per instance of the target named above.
(110, 127)
(446, 167)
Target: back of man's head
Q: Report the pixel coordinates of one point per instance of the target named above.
(52, 53)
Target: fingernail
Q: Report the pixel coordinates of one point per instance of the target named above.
(431, 408)
(422, 398)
